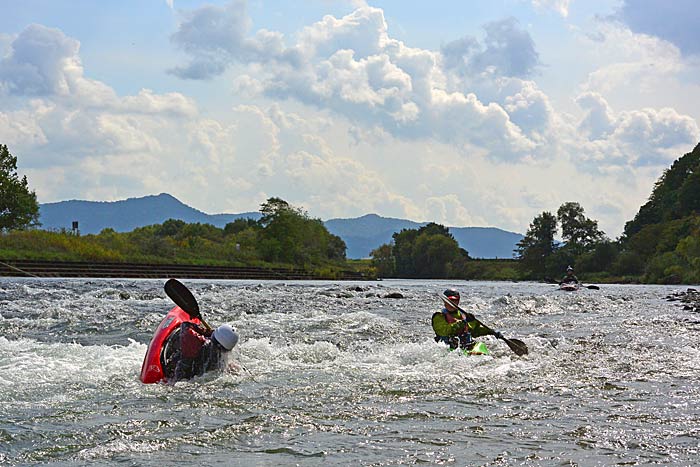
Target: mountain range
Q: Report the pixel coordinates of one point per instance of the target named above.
(361, 234)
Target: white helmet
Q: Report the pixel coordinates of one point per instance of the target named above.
(226, 336)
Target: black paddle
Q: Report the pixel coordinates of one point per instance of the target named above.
(516, 345)
(592, 287)
(183, 298)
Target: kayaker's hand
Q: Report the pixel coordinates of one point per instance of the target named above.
(498, 335)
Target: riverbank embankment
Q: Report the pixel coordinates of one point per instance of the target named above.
(31, 268)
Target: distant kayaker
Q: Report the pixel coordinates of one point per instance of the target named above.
(201, 350)
(455, 328)
(570, 277)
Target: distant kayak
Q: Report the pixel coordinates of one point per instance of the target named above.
(569, 286)
(153, 368)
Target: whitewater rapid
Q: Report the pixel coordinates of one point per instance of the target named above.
(337, 374)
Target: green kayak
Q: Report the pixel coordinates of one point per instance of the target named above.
(479, 348)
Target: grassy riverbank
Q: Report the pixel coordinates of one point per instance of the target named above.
(112, 247)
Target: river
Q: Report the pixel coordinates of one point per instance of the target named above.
(338, 375)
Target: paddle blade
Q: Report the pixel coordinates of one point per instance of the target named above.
(517, 346)
(182, 297)
(593, 287)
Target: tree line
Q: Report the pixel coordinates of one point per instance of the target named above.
(660, 245)
(284, 235)
(431, 252)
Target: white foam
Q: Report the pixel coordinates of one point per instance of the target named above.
(27, 363)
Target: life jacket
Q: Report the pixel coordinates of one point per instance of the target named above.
(193, 354)
(463, 340)
(448, 316)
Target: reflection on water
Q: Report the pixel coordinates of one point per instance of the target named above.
(339, 375)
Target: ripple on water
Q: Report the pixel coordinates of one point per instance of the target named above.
(337, 375)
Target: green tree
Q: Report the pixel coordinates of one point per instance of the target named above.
(170, 228)
(18, 206)
(674, 195)
(434, 254)
(275, 207)
(404, 242)
(428, 252)
(239, 225)
(336, 249)
(601, 258)
(289, 235)
(538, 244)
(689, 194)
(579, 232)
(383, 260)
(628, 263)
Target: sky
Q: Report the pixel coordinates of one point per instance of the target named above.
(464, 112)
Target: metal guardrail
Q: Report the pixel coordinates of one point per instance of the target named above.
(32, 268)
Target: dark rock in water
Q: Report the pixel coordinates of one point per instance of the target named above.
(394, 295)
(124, 296)
(357, 289)
(689, 300)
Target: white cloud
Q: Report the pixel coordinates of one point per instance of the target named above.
(530, 109)
(5, 41)
(216, 37)
(75, 128)
(626, 57)
(508, 51)
(560, 6)
(352, 66)
(449, 210)
(362, 123)
(42, 61)
(599, 121)
(674, 21)
(634, 138)
(22, 126)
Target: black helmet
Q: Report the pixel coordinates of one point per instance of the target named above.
(452, 294)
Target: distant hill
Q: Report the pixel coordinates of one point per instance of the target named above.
(128, 214)
(364, 234)
(361, 235)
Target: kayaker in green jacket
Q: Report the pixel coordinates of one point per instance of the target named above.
(455, 328)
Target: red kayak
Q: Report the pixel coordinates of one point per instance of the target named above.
(152, 370)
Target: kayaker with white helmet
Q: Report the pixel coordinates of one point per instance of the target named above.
(570, 278)
(202, 350)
